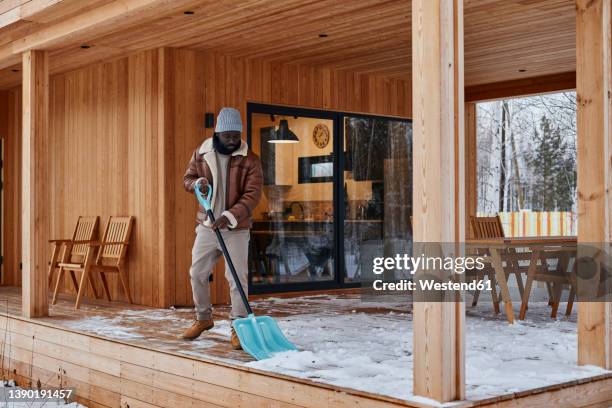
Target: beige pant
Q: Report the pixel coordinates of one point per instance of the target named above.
(206, 251)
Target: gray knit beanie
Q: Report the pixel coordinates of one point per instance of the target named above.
(229, 121)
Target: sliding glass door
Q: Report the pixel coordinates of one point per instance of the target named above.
(337, 192)
(292, 239)
(378, 191)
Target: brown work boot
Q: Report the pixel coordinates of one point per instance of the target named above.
(197, 328)
(235, 341)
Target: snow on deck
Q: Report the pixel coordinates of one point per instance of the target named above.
(373, 352)
(367, 346)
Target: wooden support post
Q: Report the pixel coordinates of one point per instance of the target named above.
(594, 117)
(439, 186)
(35, 181)
(471, 170)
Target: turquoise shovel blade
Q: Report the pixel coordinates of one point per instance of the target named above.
(260, 336)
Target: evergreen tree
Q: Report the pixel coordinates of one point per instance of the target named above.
(554, 170)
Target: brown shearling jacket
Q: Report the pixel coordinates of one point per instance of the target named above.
(244, 182)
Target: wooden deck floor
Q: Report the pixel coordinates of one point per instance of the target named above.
(159, 328)
(116, 354)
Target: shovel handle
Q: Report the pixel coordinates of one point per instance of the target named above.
(205, 201)
(230, 264)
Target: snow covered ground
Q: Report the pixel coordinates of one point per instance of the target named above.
(368, 346)
(373, 352)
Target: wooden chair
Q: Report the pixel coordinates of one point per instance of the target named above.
(85, 230)
(112, 253)
(110, 258)
(491, 227)
(72, 252)
(487, 227)
(562, 275)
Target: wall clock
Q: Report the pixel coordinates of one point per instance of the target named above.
(320, 135)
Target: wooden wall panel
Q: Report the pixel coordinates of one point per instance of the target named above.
(10, 132)
(189, 90)
(102, 130)
(143, 190)
(105, 138)
(122, 133)
(3, 134)
(206, 82)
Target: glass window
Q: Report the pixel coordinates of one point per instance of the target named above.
(378, 192)
(292, 239)
(331, 202)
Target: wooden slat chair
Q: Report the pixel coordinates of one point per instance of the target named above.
(491, 227)
(112, 253)
(80, 260)
(563, 275)
(85, 230)
(487, 227)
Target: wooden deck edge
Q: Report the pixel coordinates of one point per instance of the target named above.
(598, 389)
(45, 346)
(42, 349)
(595, 391)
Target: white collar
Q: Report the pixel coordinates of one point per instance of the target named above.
(207, 146)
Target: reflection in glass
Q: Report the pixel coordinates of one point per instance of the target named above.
(323, 169)
(292, 239)
(378, 193)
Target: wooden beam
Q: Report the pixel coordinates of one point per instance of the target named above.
(438, 189)
(166, 179)
(593, 87)
(34, 182)
(521, 87)
(9, 60)
(27, 10)
(115, 15)
(104, 15)
(471, 164)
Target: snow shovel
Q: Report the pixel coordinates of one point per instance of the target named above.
(259, 336)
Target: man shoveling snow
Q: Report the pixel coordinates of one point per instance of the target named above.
(226, 163)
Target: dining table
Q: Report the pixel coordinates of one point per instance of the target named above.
(500, 252)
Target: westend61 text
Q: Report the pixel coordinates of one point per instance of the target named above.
(430, 284)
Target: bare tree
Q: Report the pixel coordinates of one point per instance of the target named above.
(507, 131)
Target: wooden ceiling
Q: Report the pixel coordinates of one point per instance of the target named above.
(504, 39)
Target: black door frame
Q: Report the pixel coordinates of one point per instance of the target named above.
(338, 192)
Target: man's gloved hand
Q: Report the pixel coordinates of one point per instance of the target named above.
(221, 222)
(202, 183)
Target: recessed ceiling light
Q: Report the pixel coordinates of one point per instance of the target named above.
(323, 35)
(188, 12)
(522, 70)
(85, 46)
